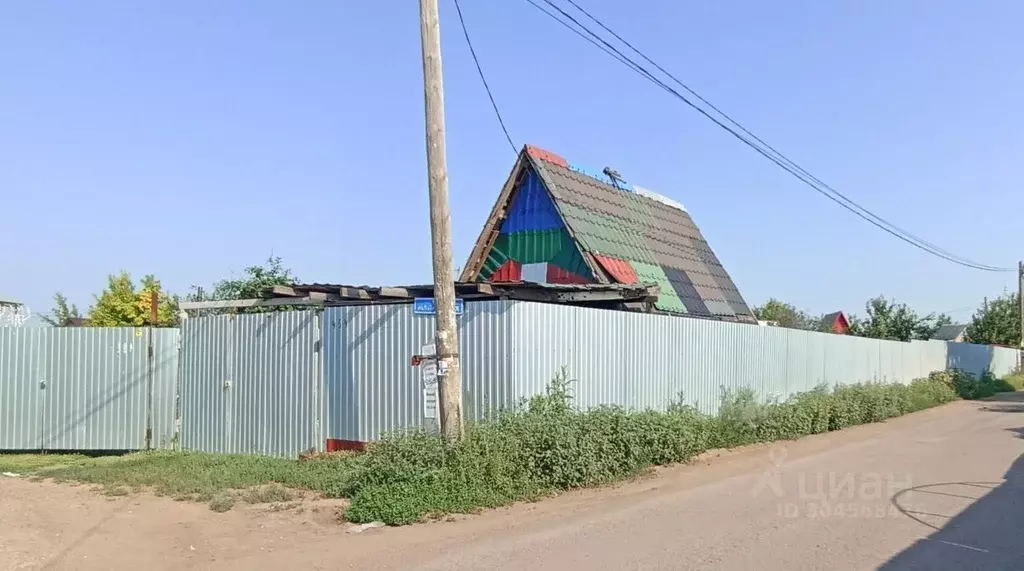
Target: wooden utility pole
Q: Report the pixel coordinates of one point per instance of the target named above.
(446, 338)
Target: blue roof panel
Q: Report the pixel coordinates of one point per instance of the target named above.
(532, 208)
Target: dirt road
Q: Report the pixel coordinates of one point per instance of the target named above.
(941, 489)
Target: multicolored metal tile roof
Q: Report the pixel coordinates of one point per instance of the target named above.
(556, 222)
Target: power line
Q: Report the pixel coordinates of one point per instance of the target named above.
(483, 79)
(779, 160)
(778, 153)
(551, 15)
(771, 154)
(958, 309)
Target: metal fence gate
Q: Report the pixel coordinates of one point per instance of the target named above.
(87, 389)
(251, 384)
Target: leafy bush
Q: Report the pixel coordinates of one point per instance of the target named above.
(547, 445)
(967, 386)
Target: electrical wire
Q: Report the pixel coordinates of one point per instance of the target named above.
(778, 153)
(771, 153)
(779, 160)
(483, 79)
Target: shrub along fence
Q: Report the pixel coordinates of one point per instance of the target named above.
(282, 383)
(550, 445)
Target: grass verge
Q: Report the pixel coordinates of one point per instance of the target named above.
(1016, 380)
(543, 447)
(194, 476)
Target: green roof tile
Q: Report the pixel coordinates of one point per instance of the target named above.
(668, 299)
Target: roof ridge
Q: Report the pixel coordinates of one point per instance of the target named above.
(617, 183)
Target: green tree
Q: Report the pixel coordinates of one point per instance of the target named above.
(930, 323)
(253, 283)
(122, 305)
(62, 313)
(997, 322)
(887, 319)
(785, 315)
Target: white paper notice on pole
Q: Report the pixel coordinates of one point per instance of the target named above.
(429, 372)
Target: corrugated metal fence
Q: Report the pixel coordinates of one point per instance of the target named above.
(87, 389)
(649, 361)
(373, 387)
(252, 383)
(512, 349)
(281, 383)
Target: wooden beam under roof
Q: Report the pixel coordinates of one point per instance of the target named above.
(284, 291)
(246, 303)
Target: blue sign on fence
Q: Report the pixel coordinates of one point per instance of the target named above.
(425, 306)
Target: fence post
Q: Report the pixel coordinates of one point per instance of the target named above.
(319, 396)
(150, 366)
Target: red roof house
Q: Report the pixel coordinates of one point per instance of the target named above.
(836, 322)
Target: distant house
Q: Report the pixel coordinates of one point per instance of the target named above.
(956, 333)
(13, 313)
(836, 323)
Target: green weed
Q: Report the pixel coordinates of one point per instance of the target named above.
(547, 445)
(222, 502)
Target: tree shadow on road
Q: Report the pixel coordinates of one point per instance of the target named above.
(989, 534)
(1004, 402)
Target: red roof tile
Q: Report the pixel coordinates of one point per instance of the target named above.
(557, 275)
(510, 271)
(619, 270)
(541, 154)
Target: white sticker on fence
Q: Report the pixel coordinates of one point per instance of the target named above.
(429, 371)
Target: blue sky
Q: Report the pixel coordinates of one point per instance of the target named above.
(190, 139)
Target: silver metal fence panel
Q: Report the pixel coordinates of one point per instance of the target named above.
(761, 353)
(22, 362)
(165, 387)
(692, 353)
(976, 359)
(648, 361)
(543, 342)
(376, 378)
(837, 362)
(372, 386)
(932, 357)
(973, 359)
(1004, 361)
(206, 347)
(911, 362)
(891, 368)
(339, 389)
(600, 369)
(800, 373)
(812, 359)
(251, 383)
(275, 383)
(91, 388)
(938, 356)
(890, 363)
(96, 389)
(655, 374)
(485, 344)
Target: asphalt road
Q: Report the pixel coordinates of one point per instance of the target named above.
(937, 490)
(942, 489)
